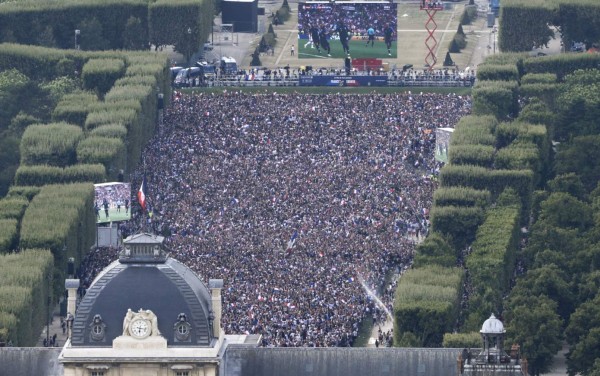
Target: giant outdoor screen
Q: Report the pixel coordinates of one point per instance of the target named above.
(347, 29)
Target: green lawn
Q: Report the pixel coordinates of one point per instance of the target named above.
(357, 49)
(113, 215)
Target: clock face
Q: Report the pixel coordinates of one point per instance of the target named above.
(139, 328)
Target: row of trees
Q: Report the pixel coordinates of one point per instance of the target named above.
(527, 24)
(108, 24)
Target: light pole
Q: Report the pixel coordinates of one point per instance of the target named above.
(189, 45)
(77, 37)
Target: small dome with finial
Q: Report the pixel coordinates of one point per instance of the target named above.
(492, 326)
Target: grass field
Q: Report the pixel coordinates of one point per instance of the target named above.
(113, 215)
(357, 49)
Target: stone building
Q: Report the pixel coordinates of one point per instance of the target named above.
(147, 314)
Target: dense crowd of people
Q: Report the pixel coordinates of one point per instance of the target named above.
(301, 203)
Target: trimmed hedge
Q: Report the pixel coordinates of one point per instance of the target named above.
(13, 207)
(479, 155)
(525, 24)
(462, 340)
(457, 223)
(545, 92)
(110, 131)
(109, 152)
(52, 144)
(474, 130)
(461, 196)
(503, 72)
(61, 218)
(508, 132)
(435, 250)
(493, 180)
(24, 292)
(539, 78)
(562, 64)
(100, 74)
(40, 175)
(103, 24)
(491, 262)
(497, 98)
(8, 234)
(538, 112)
(28, 192)
(579, 20)
(74, 108)
(426, 303)
(169, 20)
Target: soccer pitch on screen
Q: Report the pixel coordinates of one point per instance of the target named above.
(358, 49)
(114, 198)
(328, 20)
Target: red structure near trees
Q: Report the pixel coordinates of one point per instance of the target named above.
(431, 8)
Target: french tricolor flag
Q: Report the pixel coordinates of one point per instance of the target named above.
(142, 194)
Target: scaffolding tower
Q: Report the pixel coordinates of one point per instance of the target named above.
(431, 7)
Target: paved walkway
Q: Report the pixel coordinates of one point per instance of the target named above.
(55, 328)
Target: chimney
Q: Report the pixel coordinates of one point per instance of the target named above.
(215, 286)
(72, 285)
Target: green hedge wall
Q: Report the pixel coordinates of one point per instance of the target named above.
(40, 175)
(74, 108)
(103, 23)
(426, 303)
(99, 75)
(474, 130)
(28, 192)
(479, 155)
(24, 291)
(497, 98)
(542, 91)
(110, 131)
(435, 250)
(60, 218)
(8, 234)
(169, 21)
(503, 72)
(109, 152)
(52, 144)
(539, 78)
(579, 21)
(525, 24)
(457, 224)
(493, 180)
(461, 196)
(13, 207)
(562, 64)
(491, 261)
(462, 340)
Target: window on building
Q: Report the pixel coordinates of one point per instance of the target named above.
(182, 373)
(97, 373)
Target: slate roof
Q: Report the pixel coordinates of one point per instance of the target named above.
(168, 289)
